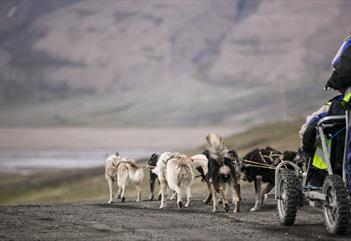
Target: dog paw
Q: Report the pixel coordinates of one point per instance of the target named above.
(206, 201)
(123, 199)
(180, 204)
(254, 209)
(214, 210)
(151, 197)
(162, 207)
(236, 210)
(187, 205)
(110, 201)
(226, 207)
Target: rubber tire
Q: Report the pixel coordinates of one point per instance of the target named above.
(287, 211)
(339, 225)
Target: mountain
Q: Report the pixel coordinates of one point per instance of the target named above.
(165, 63)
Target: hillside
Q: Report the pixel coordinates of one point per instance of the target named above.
(280, 135)
(168, 63)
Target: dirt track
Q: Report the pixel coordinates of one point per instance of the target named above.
(144, 221)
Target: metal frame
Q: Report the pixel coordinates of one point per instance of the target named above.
(320, 126)
(347, 122)
(311, 194)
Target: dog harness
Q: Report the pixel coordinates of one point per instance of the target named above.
(275, 158)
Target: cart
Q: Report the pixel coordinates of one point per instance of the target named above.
(292, 191)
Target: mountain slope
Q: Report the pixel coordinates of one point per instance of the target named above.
(118, 63)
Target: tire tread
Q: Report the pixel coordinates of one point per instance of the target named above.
(292, 184)
(337, 183)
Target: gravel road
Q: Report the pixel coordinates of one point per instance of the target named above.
(144, 221)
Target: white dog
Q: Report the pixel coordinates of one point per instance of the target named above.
(200, 163)
(123, 170)
(174, 170)
(111, 167)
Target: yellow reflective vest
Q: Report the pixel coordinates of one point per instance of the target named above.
(318, 158)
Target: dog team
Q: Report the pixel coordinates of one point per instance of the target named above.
(219, 168)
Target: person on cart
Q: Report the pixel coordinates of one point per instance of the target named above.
(340, 80)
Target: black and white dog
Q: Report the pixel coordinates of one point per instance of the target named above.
(222, 171)
(152, 162)
(270, 157)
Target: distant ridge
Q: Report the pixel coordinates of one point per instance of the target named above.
(176, 63)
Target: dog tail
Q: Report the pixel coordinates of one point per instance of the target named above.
(184, 172)
(138, 176)
(216, 147)
(200, 162)
(122, 175)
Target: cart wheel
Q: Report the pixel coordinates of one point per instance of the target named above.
(336, 210)
(289, 197)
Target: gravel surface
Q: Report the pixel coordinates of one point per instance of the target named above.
(144, 221)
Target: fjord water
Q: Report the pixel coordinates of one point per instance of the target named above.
(27, 150)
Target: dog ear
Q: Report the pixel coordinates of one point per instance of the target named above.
(233, 154)
(117, 153)
(208, 137)
(106, 155)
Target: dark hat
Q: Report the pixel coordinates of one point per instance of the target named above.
(334, 82)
